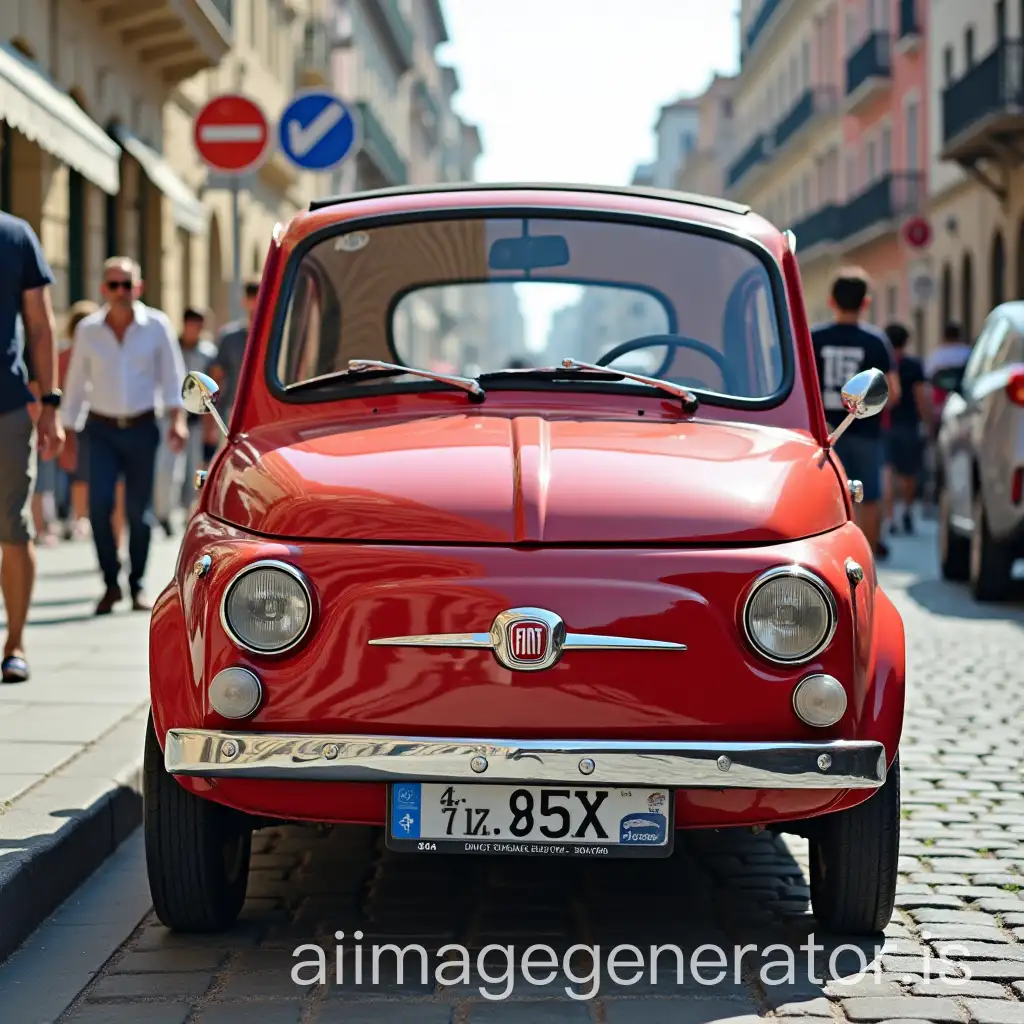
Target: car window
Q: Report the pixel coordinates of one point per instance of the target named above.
(1006, 347)
(979, 354)
(475, 295)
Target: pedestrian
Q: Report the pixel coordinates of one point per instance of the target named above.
(26, 327)
(910, 421)
(953, 353)
(44, 496)
(74, 458)
(124, 355)
(842, 349)
(176, 470)
(227, 366)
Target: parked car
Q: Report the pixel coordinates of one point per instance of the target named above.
(562, 610)
(980, 454)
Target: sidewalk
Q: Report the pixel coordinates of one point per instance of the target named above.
(71, 737)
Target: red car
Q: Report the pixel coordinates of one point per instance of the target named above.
(601, 585)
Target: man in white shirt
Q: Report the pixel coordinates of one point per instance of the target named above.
(123, 357)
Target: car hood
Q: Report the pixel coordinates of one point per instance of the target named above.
(491, 479)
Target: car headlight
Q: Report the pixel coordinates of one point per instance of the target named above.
(790, 615)
(267, 607)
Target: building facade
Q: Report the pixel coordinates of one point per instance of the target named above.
(702, 172)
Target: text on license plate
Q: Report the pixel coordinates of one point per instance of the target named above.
(532, 814)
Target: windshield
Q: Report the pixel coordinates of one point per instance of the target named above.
(474, 296)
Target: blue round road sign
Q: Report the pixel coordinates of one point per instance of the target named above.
(317, 131)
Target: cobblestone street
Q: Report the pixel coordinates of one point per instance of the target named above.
(962, 883)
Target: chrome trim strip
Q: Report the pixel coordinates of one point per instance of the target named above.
(573, 641)
(840, 764)
(267, 563)
(819, 584)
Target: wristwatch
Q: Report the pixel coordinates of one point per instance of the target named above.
(52, 399)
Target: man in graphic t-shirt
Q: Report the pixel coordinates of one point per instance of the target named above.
(843, 349)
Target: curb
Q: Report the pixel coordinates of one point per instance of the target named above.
(56, 835)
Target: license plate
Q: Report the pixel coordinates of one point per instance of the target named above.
(428, 817)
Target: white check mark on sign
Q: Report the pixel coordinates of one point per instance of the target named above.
(302, 140)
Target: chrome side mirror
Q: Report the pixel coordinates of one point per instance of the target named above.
(864, 396)
(199, 396)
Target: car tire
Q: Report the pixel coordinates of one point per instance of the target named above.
(990, 562)
(854, 859)
(954, 550)
(197, 851)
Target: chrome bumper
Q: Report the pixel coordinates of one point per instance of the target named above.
(843, 764)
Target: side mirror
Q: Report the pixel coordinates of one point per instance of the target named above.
(199, 396)
(864, 396)
(949, 378)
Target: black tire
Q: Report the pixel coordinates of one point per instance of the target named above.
(990, 563)
(954, 549)
(854, 860)
(197, 851)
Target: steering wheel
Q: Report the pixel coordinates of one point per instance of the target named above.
(672, 343)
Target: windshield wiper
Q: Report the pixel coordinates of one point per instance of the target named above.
(573, 369)
(373, 368)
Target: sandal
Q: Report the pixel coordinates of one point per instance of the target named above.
(15, 669)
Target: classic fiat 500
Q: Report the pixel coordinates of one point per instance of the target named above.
(527, 538)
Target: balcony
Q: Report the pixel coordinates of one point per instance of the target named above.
(377, 147)
(868, 71)
(756, 153)
(815, 103)
(910, 34)
(819, 228)
(396, 33)
(760, 22)
(313, 62)
(173, 38)
(881, 206)
(427, 111)
(983, 112)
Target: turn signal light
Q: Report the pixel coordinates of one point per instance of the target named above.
(1015, 387)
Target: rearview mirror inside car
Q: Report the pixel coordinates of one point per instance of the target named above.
(529, 253)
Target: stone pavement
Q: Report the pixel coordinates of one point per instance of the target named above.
(70, 737)
(103, 958)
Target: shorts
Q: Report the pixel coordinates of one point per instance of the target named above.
(863, 459)
(18, 470)
(905, 451)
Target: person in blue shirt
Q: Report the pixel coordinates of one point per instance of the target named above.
(26, 326)
(843, 349)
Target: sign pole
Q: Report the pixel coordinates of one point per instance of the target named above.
(236, 252)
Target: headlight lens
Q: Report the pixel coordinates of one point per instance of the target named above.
(790, 615)
(268, 608)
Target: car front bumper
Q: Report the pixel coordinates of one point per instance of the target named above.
(841, 764)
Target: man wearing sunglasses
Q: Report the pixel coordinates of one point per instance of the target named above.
(124, 356)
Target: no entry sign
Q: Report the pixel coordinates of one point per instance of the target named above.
(917, 233)
(231, 134)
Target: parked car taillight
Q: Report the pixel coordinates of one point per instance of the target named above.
(1015, 387)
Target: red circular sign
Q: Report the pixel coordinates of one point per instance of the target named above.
(231, 134)
(917, 232)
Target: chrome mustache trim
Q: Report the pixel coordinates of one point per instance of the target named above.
(841, 764)
(552, 641)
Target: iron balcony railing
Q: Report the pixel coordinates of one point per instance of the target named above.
(824, 225)
(813, 103)
(764, 15)
(872, 59)
(909, 23)
(994, 85)
(755, 153)
(892, 196)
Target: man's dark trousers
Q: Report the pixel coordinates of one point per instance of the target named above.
(128, 452)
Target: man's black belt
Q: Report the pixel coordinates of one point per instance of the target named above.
(121, 422)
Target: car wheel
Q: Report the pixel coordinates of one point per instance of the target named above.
(991, 563)
(854, 857)
(954, 550)
(197, 851)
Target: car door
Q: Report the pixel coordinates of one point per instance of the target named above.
(959, 421)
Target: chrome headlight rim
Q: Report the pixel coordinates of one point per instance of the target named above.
(806, 575)
(303, 582)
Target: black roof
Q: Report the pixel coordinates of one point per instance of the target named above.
(485, 186)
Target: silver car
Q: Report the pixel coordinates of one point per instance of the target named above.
(980, 460)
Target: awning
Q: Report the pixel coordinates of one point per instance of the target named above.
(189, 213)
(34, 106)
